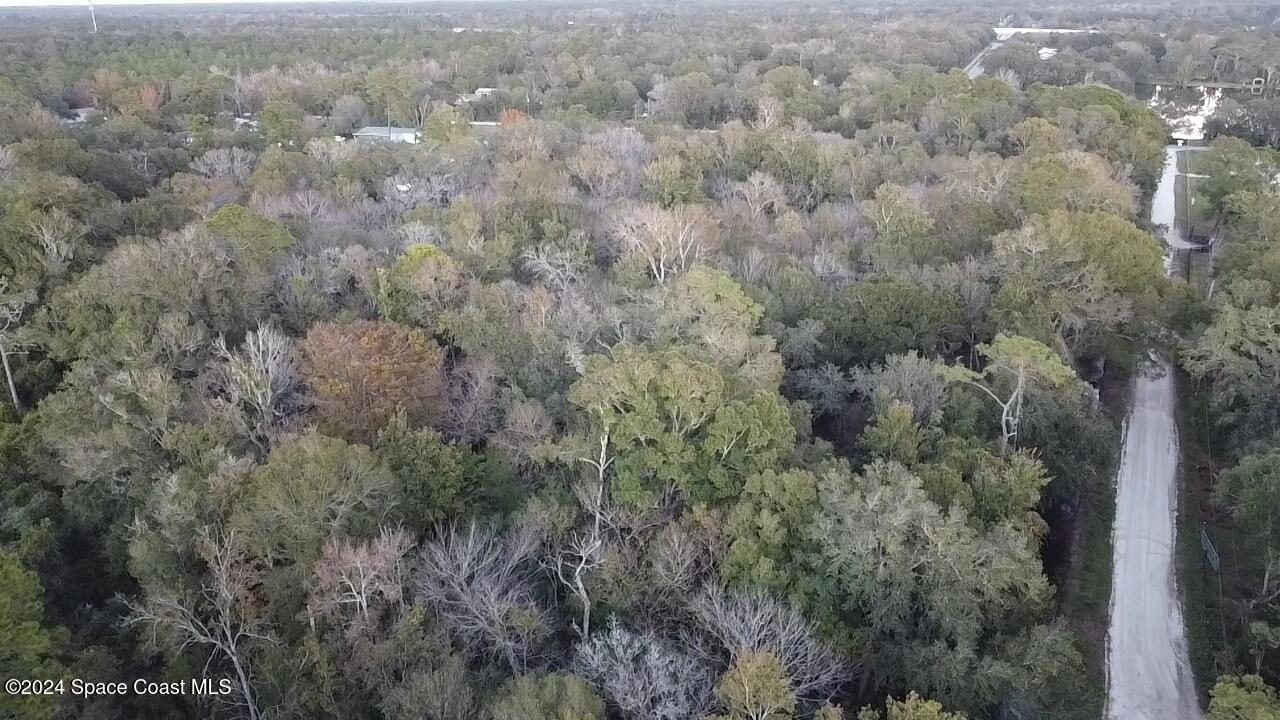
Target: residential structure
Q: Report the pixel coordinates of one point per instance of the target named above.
(383, 133)
(482, 92)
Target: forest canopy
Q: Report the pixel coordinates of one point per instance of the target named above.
(690, 362)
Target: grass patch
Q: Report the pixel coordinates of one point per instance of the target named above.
(1189, 161)
(1216, 628)
(1087, 601)
(1187, 210)
(1201, 272)
(1089, 596)
(1196, 582)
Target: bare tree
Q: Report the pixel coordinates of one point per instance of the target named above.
(307, 204)
(830, 266)
(680, 559)
(216, 617)
(354, 583)
(402, 193)
(349, 112)
(1010, 78)
(907, 378)
(330, 153)
(261, 377)
(245, 92)
(769, 114)
(626, 146)
(12, 342)
(370, 214)
(669, 241)
(583, 553)
(58, 235)
(753, 622)
(762, 194)
(483, 588)
(419, 233)
(234, 164)
(555, 266)
(8, 162)
(527, 425)
(472, 397)
(313, 205)
(645, 676)
(600, 174)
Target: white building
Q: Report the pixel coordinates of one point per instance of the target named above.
(382, 133)
(482, 92)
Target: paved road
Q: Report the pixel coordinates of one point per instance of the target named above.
(1149, 677)
(974, 68)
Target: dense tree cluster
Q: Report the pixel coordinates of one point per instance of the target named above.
(1232, 352)
(727, 375)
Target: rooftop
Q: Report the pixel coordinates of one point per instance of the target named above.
(398, 134)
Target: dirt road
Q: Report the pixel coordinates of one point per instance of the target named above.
(1148, 675)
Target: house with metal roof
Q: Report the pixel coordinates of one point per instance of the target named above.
(383, 133)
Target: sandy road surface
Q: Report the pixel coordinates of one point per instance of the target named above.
(1148, 675)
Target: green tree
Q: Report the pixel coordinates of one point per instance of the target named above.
(767, 529)
(1078, 182)
(555, 696)
(1106, 121)
(255, 238)
(756, 688)
(893, 435)
(1239, 354)
(1078, 281)
(1014, 367)
(438, 481)
(905, 232)
(912, 707)
(708, 313)
(27, 650)
(308, 489)
(671, 181)
(391, 88)
(934, 598)
(445, 124)
(1038, 136)
(1251, 490)
(891, 314)
(1232, 166)
(431, 476)
(1244, 697)
(281, 122)
(419, 285)
(675, 420)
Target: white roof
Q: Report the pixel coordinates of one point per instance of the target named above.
(384, 130)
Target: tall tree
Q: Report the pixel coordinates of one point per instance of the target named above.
(361, 373)
(28, 650)
(1013, 367)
